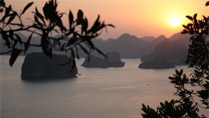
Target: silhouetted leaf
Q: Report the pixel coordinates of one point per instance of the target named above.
(45, 44)
(184, 31)
(177, 72)
(71, 41)
(84, 25)
(14, 55)
(14, 43)
(84, 49)
(2, 3)
(205, 19)
(111, 25)
(70, 20)
(72, 54)
(37, 21)
(80, 14)
(55, 4)
(50, 11)
(36, 26)
(7, 11)
(73, 64)
(6, 39)
(60, 24)
(189, 25)
(1, 10)
(207, 3)
(26, 7)
(100, 52)
(12, 16)
(185, 26)
(11, 36)
(62, 47)
(72, 60)
(89, 42)
(46, 10)
(181, 72)
(189, 17)
(39, 15)
(11, 33)
(195, 16)
(95, 26)
(28, 43)
(4, 17)
(79, 17)
(191, 31)
(18, 38)
(17, 24)
(171, 78)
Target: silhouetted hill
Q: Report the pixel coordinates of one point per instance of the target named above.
(159, 62)
(148, 38)
(39, 66)
(173, 50)
(112, 60)
(129, 46)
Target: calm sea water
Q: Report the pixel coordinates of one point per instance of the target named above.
(95, 93)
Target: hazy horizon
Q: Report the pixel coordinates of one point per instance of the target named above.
(136, 17)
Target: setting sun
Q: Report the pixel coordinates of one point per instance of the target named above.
(175, 22)
(175, 18)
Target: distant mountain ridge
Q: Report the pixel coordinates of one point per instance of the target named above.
(129, 46)
(167, 53)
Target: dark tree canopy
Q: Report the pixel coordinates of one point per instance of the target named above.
(78, 34)
(198, 60)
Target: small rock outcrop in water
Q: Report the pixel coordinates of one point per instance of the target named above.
(113, 60)
(40, 66)
(157, 63)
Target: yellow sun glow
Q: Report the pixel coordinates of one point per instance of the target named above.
(175, 22)
(175, 18)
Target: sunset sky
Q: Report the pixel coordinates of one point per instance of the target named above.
(137, 17)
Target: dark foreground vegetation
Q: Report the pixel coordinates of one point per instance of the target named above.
(186, 105)
(78, 34)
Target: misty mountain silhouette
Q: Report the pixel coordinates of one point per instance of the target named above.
(171, 51)
(112, 60)
(130, 46)
(159, 62)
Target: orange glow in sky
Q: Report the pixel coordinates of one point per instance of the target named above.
(175, 18)
(137, 17)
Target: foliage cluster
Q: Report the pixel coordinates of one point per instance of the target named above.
(193, 86)
(78, 34)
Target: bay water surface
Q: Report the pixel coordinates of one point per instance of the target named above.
(95, 93)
